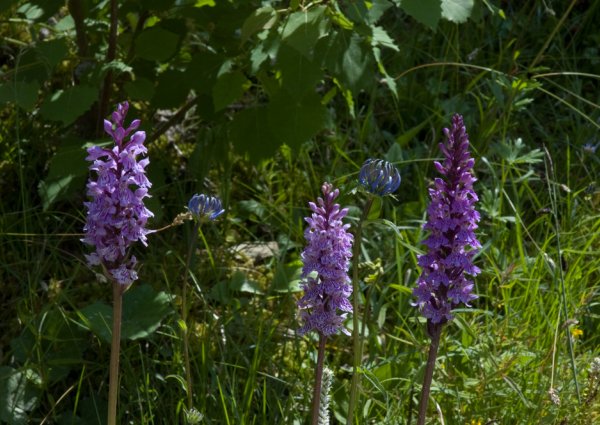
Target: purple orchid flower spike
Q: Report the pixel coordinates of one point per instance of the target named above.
(452, 220)
(116, 215)
(326, 262)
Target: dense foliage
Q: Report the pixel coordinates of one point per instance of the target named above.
(260, 102)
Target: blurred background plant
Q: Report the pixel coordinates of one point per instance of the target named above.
(259, 102)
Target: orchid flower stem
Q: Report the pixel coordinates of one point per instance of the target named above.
(356, 337)
(113, 386)
(316, 402)
(435, 331)
(184, 313)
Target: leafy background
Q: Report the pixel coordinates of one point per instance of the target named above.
(259, 103)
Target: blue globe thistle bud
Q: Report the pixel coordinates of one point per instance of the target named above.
(203, 205)
(379, 177)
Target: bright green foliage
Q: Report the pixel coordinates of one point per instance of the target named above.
(260, 102)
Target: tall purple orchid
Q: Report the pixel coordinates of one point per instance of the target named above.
(116, 218)
(326, 282)
(328, 255)
(116, 215)
(452, 244)
(452, 220)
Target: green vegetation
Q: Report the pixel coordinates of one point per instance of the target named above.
(260, 102)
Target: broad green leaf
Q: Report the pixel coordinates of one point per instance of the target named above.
(287, 278)
(294, 121)
(427, 12)
(117, 67)
(55, 341)
(357, 65)
(250, 133)
(139, 89)
(298, 73)
(65, 24)
(457, 10)
(229, 87)
(201, 72)
(377, 9)
(22, 93)
(50, 53)
(261, 19)
(67, 105)
(381, 38)
(357, 11)
(203, 3)
(67, 172)
(41, 9)
(18, 395)
(143, 310)
(303, 29)
(172, 89)
(156, 44)
(240, 282)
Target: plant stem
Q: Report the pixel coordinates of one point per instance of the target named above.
(563, 292)
(356, 337)
(316, 403)
(113, 386)
(434, 330)
(184, 311)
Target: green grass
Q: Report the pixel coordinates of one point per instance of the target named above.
(540, 261)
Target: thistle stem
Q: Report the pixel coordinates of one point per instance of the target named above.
(113, 386)
(316, 403)
(434, 330)
(184, 313)
(356, 336)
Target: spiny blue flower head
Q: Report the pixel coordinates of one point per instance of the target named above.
(203, 205)
(326, 261)
(379, 177)
(452, 220)
(116, 215)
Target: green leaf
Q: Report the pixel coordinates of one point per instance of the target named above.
(427, 12)
(261, 19)
(117, 67)
(67, 173)
(404, 138)
(67, 105)
(229, 87)
(55, 341)
(201, 72)
(50, 53)
(250, 133)
(139, 89)
(457, 10)
(287, 278)
(156, 44)
(375, 210)
(22, 93)
(299, 74)
(303, 29)
(377, 9)
(294, 121)
(18, 395)
(381, 38)
(143, 310)
(172, 89)
(240, 282)
(357, 64)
